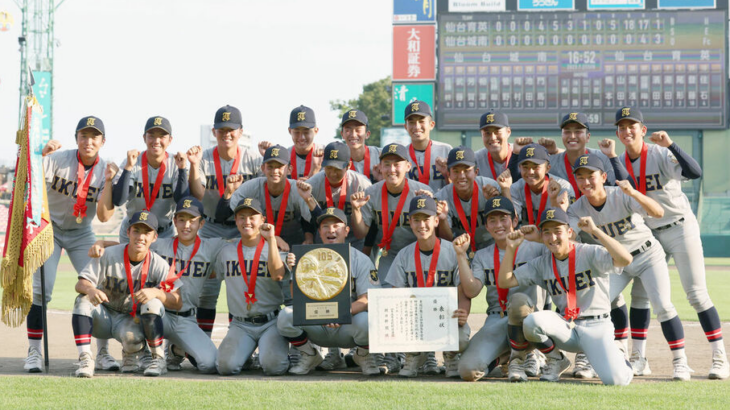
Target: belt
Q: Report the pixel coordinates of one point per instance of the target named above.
(642, 248)
(186, 313)
(596, 317)
(225, 223)
(675, 223)
(258, 319)
(494, 311)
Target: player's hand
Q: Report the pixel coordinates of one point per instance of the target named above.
(132, 155)
(530, 232)
(263, 146)
(520, 143)
(97, 296)
(661, 138)
(626, 187)
(232, 184)
(563, 201)
(375, 172)
(490, 192)
(304, 189)
(291, 260)
(110, 171)
(587, 225)
(462, 315)
(308, 241)
(267, 231)
(358, 200)
(280, 243)
(442, 210)
(514, 239)
(145, 295)
(424, 192)
(332, 325)
(505, 179)
(442, 167)
(194, 155)
(550, 145)
(180, 160)
(461, 244)
(52, 146)
(96, 250)
(318, 152)
(553, 189)
(608, 147)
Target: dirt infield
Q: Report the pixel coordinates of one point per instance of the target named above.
(63, 354)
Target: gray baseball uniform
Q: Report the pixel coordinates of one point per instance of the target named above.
(438, 149)
(301, 162)
(517, 191)
(374, 160)
(485, 169)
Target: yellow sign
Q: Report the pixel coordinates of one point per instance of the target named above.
(530, 152)
(143, 216)
(158, 121)
(490, 118)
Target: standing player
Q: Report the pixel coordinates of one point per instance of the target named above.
(306, 156)
(253, 270)
(576, 275)
(355, 132)
(657, 171)
(496, 156)
(423, 151)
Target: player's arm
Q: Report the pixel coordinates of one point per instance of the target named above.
(105, 205)
(471, 286)
(223, 209)
(275, 264)
(170, 300)
(444, 230)
(621, 256)
(464, 302)
(121, 191)
(690, 168)
(195, 155)
(357, 223)
(360, 305)
(652, 207)
(96, 296)
(507, 278)
(182, 188)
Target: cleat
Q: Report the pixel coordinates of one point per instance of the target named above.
(414, 361)
(391, 363)
(583, 368)
(334, 360)
(145, 360)
(294, 355)
(129, 362)
(174, 362)
(86, 366)
(554, 368)
(431, 366)
(451, 364)
(105, 361)
(157, 366)
(681, 370)
(366, 361)
(639, 364)
(720, 369)
(306, 362)
(531, 365)
(34, 361)
(516, 372)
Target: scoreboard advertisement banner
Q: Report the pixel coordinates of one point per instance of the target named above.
(414, 11)
(537, 66)
(404, 94)
(686, 4)
(545, 5)
(414, 53)
(615, 4)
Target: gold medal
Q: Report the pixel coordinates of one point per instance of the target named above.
(385, 252)
(136, 319)
(471, 254)
(321, 274)
(79, 219)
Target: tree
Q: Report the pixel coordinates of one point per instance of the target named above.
(375, 102)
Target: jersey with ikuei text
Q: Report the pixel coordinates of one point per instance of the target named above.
(355, 183)
(438, 150)
(517, 191)
(402, 273)
(482, 237)
(557, 165)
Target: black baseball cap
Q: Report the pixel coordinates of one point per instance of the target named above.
(461, 155)
(418, 107)
(354, 115)
(589, 161)
(336, 154)
(276, 153)
(422, 204)
(158, 122)
(394, 149)
(554, 215)
(91, 122)
(535, 153)
(493, 119)
(302, 117)
(332, 212)
(629, 113)
(145, 218)
(575, 117)
(249, 203)
(228, 117)
(499, 204)
(189, 205)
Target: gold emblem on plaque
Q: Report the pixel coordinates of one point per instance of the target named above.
(321, 274)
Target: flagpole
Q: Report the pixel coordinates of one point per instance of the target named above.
(45, 316)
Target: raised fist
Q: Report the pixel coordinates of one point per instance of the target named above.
(194, 155)
(549, 144)
(180, 160)
(661, 138)
(608, 147)
(132, 156)
(358, 200)
(52, 146)
(520, 143)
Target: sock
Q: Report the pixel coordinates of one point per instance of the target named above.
(82, 332)
(206, 320)
(640, 319)
(710, 321)
(674, 333)
(517, 338)
(548, 349)
(152, 326)
(302, 343)
(102, 344)
(620, 320)
(34, 324)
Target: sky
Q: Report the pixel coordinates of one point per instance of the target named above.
(127, 60)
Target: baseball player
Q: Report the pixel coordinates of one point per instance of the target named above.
(124, 295)
(496, 157)
(155, 182)
(333, 229)
(305, 156)
(494, 339)
(577, 277)
(355, 132)
(253, 270)
(620, 212)
(442, 261)
(423, 151)
(74, 181)
(657, 170)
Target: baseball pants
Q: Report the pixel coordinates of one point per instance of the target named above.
(243, 338)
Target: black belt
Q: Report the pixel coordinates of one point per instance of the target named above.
(186, 313)
(596, 317)
(259, 319)
(225, 223)
(675, 223)
(641, 249)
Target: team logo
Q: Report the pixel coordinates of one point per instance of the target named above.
(625, 112)
(573, 116)
(414, 107)
(143, 216)
(158, 121)
(550, 213)
(392, 149)
(373, 276)
(247, 202)
(275, 152)
(330, 211)
(421, 203)
(353, 114)
(333, 154)
(187, 203)
(90, 122)
(490, 118)
(459, 155)
(301, 116)
(226, 116)
(530, 152)
(496, 203)
(583, 160)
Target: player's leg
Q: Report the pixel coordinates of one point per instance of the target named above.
(131, 336)
(207, 305)
(151, 314)
(603, 352)
(452, 359)
(620, 320)
(485, 347)
(184, 333)
(236, 347)
(273, 350)
(550, 333)
(300, 340)
(520, 305)
(640, 318)
(88, 320)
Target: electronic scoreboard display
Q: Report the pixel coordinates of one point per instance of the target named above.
(537, 66)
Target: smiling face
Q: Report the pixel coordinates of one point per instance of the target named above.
(424, 226)
(556, 237)
(89, 142)
(499, 224)
(534, 174)
(394, 169)
(332, 230)
(141, 237)
(631, 133)
(462, 176)
(303, 137)
(354, 134)
(334, 175)
(157, 141)
(275, 172)
(575, 137)
(248, 222)
(227, 137)
(419, 128)
(495, 139)
(187, 226)
(590, 183)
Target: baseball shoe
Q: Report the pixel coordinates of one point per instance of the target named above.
(554, 368)
(307, 362)
(531, 366)
(105, 361)
(516, 372)
(390, 363)
(129, 362)
(294, 355)
(34, 361)
(145, 359)
(451, 364)
(431, 366)
(639, 364)
(681, 369)
(157, 366)
(366, 361)
(174, 361)
(583, 368)
(334, 360)
(86, 366)
(414, 361)
(349, 361)
(720, 367)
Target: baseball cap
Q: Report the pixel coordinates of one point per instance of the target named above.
(554, 215)
(575, 117)
(588, 161)
(91, 122)
(189, 205)
(145, 218)
(336, 154)
(332, 212)
(276, 153)
(461, 155)
(629, 113)
(228, 117)
(354, 115)
(535, 153)
(158, 122)
(394, 149)
(493, 119)
(422, 204)
(302, 117)
(418, 107)
(499, 204)
(248, 203)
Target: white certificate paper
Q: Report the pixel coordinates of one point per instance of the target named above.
(413, 320)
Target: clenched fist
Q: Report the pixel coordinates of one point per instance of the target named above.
(132, 156)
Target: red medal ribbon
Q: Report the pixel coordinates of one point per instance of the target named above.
(249, 277)
(543, 202)
(641, 184)
(501, 293)
(571, 311)
(389, 228)
(431, 266)
(150, 200)
(130, 281)
(506, 162)
(471, 228)
(82, 187)
(343, 193)
(282, 207)
(425, 176)
(307, 164)
(571, 177)
(172, 276)
(365, 163)
(219, 172)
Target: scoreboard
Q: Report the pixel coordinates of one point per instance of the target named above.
(537, 66)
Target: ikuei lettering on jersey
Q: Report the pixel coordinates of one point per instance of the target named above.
(211, 182)
(119, 285)
(435, 175)
(196, 269)
(653, 183)
(489, 275)
(618, 228)
(165, 191)
(403, 221)
(68, 188)
(583, 280)
(233, 269)
(441, 278)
